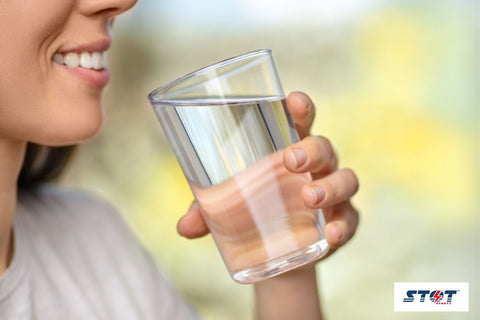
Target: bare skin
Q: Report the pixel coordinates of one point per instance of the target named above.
(46, 101)
(41, 100)
(8, 197)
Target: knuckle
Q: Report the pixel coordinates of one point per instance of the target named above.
(331, 193)
(322, 154)
(328, 147)
(322, 140)
(352, 178)
(353, 217)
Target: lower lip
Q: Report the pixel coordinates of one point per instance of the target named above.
(95, 78)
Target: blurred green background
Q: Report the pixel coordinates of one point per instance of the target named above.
(396, 90)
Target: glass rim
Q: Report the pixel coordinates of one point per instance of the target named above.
(205, 69)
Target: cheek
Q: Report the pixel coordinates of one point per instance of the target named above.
(27, 30)
(36, 104)
(40, 105)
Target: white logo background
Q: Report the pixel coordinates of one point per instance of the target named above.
(459, 300)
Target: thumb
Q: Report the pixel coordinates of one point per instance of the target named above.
(192, 225)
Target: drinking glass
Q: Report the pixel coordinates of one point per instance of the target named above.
(228, 126)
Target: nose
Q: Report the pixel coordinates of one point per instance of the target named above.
(109, 8)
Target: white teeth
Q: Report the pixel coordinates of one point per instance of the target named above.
(58, 58)
(72, 60)
(105, 60)
(95, 60)
(86, 60)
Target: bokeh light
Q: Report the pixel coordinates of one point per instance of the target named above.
(396, 90)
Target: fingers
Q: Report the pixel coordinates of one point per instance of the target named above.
(192, 225)
(332, 189)
(302, 110)
(342, 221)
(312, 154)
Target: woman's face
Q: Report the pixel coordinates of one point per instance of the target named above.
(53, 68)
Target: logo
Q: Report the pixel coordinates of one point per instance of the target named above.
(431, 296)
(436, 296)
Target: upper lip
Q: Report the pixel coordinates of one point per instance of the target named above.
(97, 46)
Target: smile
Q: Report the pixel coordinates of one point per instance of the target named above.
(95, 60)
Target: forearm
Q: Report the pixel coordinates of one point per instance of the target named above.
(293, 295)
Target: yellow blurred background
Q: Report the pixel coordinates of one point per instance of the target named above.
(396, 90)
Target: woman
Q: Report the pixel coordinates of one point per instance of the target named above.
(65, 255)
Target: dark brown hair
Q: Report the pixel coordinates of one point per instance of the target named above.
(43, 164)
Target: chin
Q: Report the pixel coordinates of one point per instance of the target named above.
(69, 132)
(77, 134)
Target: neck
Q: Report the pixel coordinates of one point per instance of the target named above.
(11, 159)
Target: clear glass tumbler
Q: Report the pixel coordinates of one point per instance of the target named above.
(228, 126)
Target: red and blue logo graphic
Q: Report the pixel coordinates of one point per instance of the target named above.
(436, 296)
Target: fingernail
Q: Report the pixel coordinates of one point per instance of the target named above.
(307, 104)
(298, 157)
(317, 194)
(303, 96)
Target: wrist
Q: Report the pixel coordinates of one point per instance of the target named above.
(292, 295)
(296, 277)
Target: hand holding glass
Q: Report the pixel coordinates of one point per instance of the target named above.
(228, 126)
